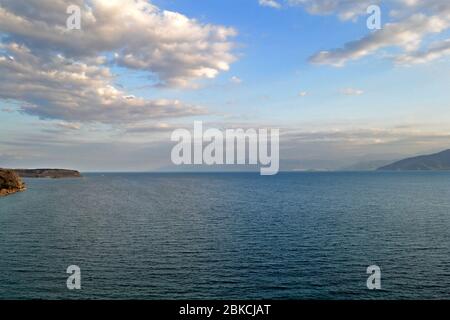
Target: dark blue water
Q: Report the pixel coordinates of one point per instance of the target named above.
(228, 236)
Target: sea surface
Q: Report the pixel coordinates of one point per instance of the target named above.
(228, 236)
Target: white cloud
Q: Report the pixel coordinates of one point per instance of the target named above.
(60, 74)
(414, 20)
(151, 128)
(352, 92)
(270, 3)
(436, 51)
(407, 35)
(68, 125)
(345, 9)
(167, 44)
(236, 80)
(303, 93)
(59, 88)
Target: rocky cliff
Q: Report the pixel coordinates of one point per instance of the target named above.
(10, 182)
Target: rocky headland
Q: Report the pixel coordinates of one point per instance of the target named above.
(10, 182)
(47, 173)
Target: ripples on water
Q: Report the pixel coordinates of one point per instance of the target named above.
(228, 236)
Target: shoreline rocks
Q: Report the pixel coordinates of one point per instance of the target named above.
(10, 182)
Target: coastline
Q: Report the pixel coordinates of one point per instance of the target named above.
(8, 192)
(10, 182)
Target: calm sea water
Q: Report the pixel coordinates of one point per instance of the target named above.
(228, 236)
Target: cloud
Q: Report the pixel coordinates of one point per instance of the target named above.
(8, 110)
(69, 125)
(303, 94)
(55, 73)
(413, 21)
(169, 45)
(146, 146)
(270, 3)
(345, 9)
(236, 80)
(352, 92)
(436, 51)
(60, 88)
(407, 35)
(359, 140)
(151, 128)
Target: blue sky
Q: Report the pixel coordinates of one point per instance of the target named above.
(373, 94)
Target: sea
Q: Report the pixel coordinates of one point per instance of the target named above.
(303, 235)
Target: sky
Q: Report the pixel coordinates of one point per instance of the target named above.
(107, 97)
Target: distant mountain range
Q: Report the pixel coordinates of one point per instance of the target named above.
(366, 165)
(437, 161)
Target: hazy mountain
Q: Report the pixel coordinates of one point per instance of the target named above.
(366, 165)
(437, 161)
(285, 165)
